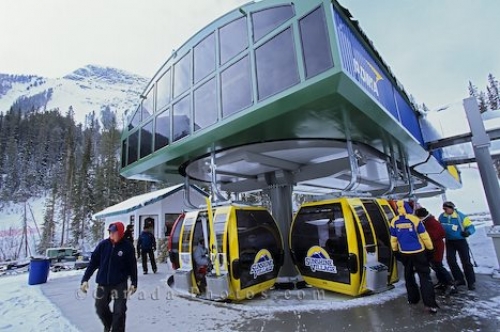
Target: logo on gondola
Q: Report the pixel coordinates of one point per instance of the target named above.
(262, 264)
(319, 260)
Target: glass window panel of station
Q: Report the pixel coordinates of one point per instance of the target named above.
(182, 75)
(267, 20)
(147, 139)
(181, 118)
(148, 104)
(136, 119)
(124, 153)
(133, 145)
(233, 39)
(162, 129)
(163, 91)
(205, 105)
(236, 87)
(315, 43)
(276, 65)
(204, 58)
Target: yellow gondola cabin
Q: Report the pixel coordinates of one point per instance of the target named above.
(343, 245)
(246, 252)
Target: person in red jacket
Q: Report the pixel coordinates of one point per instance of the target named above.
(437, 235)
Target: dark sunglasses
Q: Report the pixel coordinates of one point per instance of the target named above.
(112, 228)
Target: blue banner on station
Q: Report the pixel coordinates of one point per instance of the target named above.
(358, 63)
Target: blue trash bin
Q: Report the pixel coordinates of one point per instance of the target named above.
(39, 270)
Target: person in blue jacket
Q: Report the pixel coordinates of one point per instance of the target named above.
(114, 258)
(458, 227)
(410, 242)
(146, 246)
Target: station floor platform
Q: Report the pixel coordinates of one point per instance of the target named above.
(156, 307)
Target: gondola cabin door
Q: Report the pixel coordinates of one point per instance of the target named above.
(193, 227)
(323, 241)
(252, 247)
(332, 243)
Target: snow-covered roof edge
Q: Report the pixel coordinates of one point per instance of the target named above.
(139, 201)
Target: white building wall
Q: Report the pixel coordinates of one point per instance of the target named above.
(173, 204)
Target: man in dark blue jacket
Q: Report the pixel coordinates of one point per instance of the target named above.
(146, 246)
(114, 258)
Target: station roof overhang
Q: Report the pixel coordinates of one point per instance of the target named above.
(137, 202)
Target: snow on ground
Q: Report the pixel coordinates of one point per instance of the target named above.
(25, 308)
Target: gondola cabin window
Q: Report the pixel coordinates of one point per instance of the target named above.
(319, 241)
(370, 245)
(257, 235)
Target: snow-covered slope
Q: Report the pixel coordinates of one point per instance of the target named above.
(87, 89)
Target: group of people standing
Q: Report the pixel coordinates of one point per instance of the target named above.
(418, 240)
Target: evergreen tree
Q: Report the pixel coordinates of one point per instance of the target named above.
(492, 93)
(49, 225)
(472, 90)
(82, 195)
(425, 109)
(11, 170)
(78, 165)
(69, 171)
(483, 104)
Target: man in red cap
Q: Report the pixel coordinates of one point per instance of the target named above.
(114, 258)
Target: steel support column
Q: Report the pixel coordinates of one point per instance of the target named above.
(481, 146)
(280, 193)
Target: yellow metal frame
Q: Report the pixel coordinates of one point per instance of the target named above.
(393, 276)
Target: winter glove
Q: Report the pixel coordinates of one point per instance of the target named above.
(84, 287)
(138, 255)
(464, 233)
(397, 255)
(131, 290)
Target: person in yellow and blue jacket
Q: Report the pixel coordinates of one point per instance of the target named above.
(410, 243)
(458, 227)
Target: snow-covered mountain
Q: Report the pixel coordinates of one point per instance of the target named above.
(87, 89)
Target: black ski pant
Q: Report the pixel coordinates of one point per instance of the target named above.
(418, 263)
(442, 274)
(112, 320)
(151, 254)
(462, 247)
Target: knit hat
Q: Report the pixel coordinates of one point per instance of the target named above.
(421, 212)
(117, 227)
(449, 204)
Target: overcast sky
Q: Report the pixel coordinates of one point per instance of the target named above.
(54, 37)
(433, 47)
